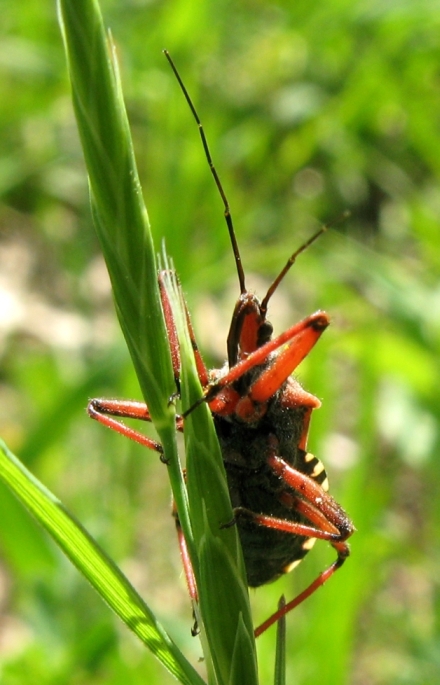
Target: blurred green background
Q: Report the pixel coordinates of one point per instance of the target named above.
(310, 109)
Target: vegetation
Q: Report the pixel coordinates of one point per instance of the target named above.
(310, 109)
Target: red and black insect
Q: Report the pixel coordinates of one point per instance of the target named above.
(278, 490)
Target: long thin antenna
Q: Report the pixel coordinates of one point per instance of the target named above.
(227, 212)
(292, 259)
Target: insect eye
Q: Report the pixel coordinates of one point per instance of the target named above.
(264, 333)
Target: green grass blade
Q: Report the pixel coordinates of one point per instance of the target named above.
(280, 654)
(95, 565)
(121, 218)
(218, 562)
(120, 215)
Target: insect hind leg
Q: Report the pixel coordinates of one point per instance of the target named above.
(329, 522)
(343, 553)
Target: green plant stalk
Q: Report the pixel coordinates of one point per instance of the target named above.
(122, 225)
(218, 565)
(121, 219)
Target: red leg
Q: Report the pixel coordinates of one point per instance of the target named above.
(187, 568)
(296, 342)
(186, 561)
(317, 583)
(287, 526)
(328, 519)
(287, 360)
(313, 494)
(170, 326)
(172, 334)
(103, 410)
(301, 337)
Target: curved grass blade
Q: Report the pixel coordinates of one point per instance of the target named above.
(84, 552)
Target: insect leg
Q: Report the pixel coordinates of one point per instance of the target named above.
(331, 533)
(187, 568)
(172, 333)
(186, 561)
(317, 583)
(329, 522)
(322, 528)
(295, 344)
(314, 495)
(104, 410)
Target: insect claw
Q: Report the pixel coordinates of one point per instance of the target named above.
(172, 398)
(194, 406)
(243, 513)
(164, 460)
(195, 630)
(229, 524)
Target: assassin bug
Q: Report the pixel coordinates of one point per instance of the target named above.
(278, 490)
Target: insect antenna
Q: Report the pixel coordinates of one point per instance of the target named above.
(292, 260)
(227, 212)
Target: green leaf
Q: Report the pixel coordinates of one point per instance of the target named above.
(84, 552)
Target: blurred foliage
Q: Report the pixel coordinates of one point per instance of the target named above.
(309, 109)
